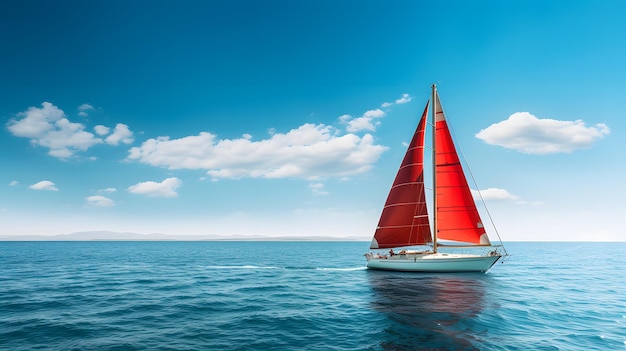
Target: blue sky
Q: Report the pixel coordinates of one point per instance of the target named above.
(291, 117)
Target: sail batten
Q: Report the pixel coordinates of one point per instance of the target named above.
(396, 226)
(405, 184)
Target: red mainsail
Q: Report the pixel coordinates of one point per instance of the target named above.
(404, 220)
(457, 216)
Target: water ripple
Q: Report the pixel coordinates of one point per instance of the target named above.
(304, 296)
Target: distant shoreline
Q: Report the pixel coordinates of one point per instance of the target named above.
(177, 240)
(135, 237)
(116, 236)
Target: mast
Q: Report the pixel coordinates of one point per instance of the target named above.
(434, 129)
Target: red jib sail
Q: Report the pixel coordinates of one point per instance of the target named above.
(404, 220)
(457, 216)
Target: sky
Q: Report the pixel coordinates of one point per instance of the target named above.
(290, 118)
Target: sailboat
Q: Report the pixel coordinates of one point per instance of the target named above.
(456, 223)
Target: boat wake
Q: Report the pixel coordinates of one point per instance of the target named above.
(244, 267)
(361, 268)
(252, 267)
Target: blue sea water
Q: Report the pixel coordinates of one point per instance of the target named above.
(304, 296)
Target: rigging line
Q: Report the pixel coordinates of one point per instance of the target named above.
(469, 171)
(482, 200)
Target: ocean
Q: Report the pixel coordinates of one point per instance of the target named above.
(304, 296)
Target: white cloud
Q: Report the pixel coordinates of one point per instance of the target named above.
(44, 185)
(107, 190)
(377, 113)
(166, 188)
(493, 194)
(360, 123)
(83, 109)
(120, 134)
(406, 98)
(533, 203)
(99, 201)
(343, 119)
(14, 183)
(528, 134)
(310, 151)
(49, 127)
(36, 121)
(365, 122)
(101, 130)
(318, 188)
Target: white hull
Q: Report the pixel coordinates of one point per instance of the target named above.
(433, 262)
